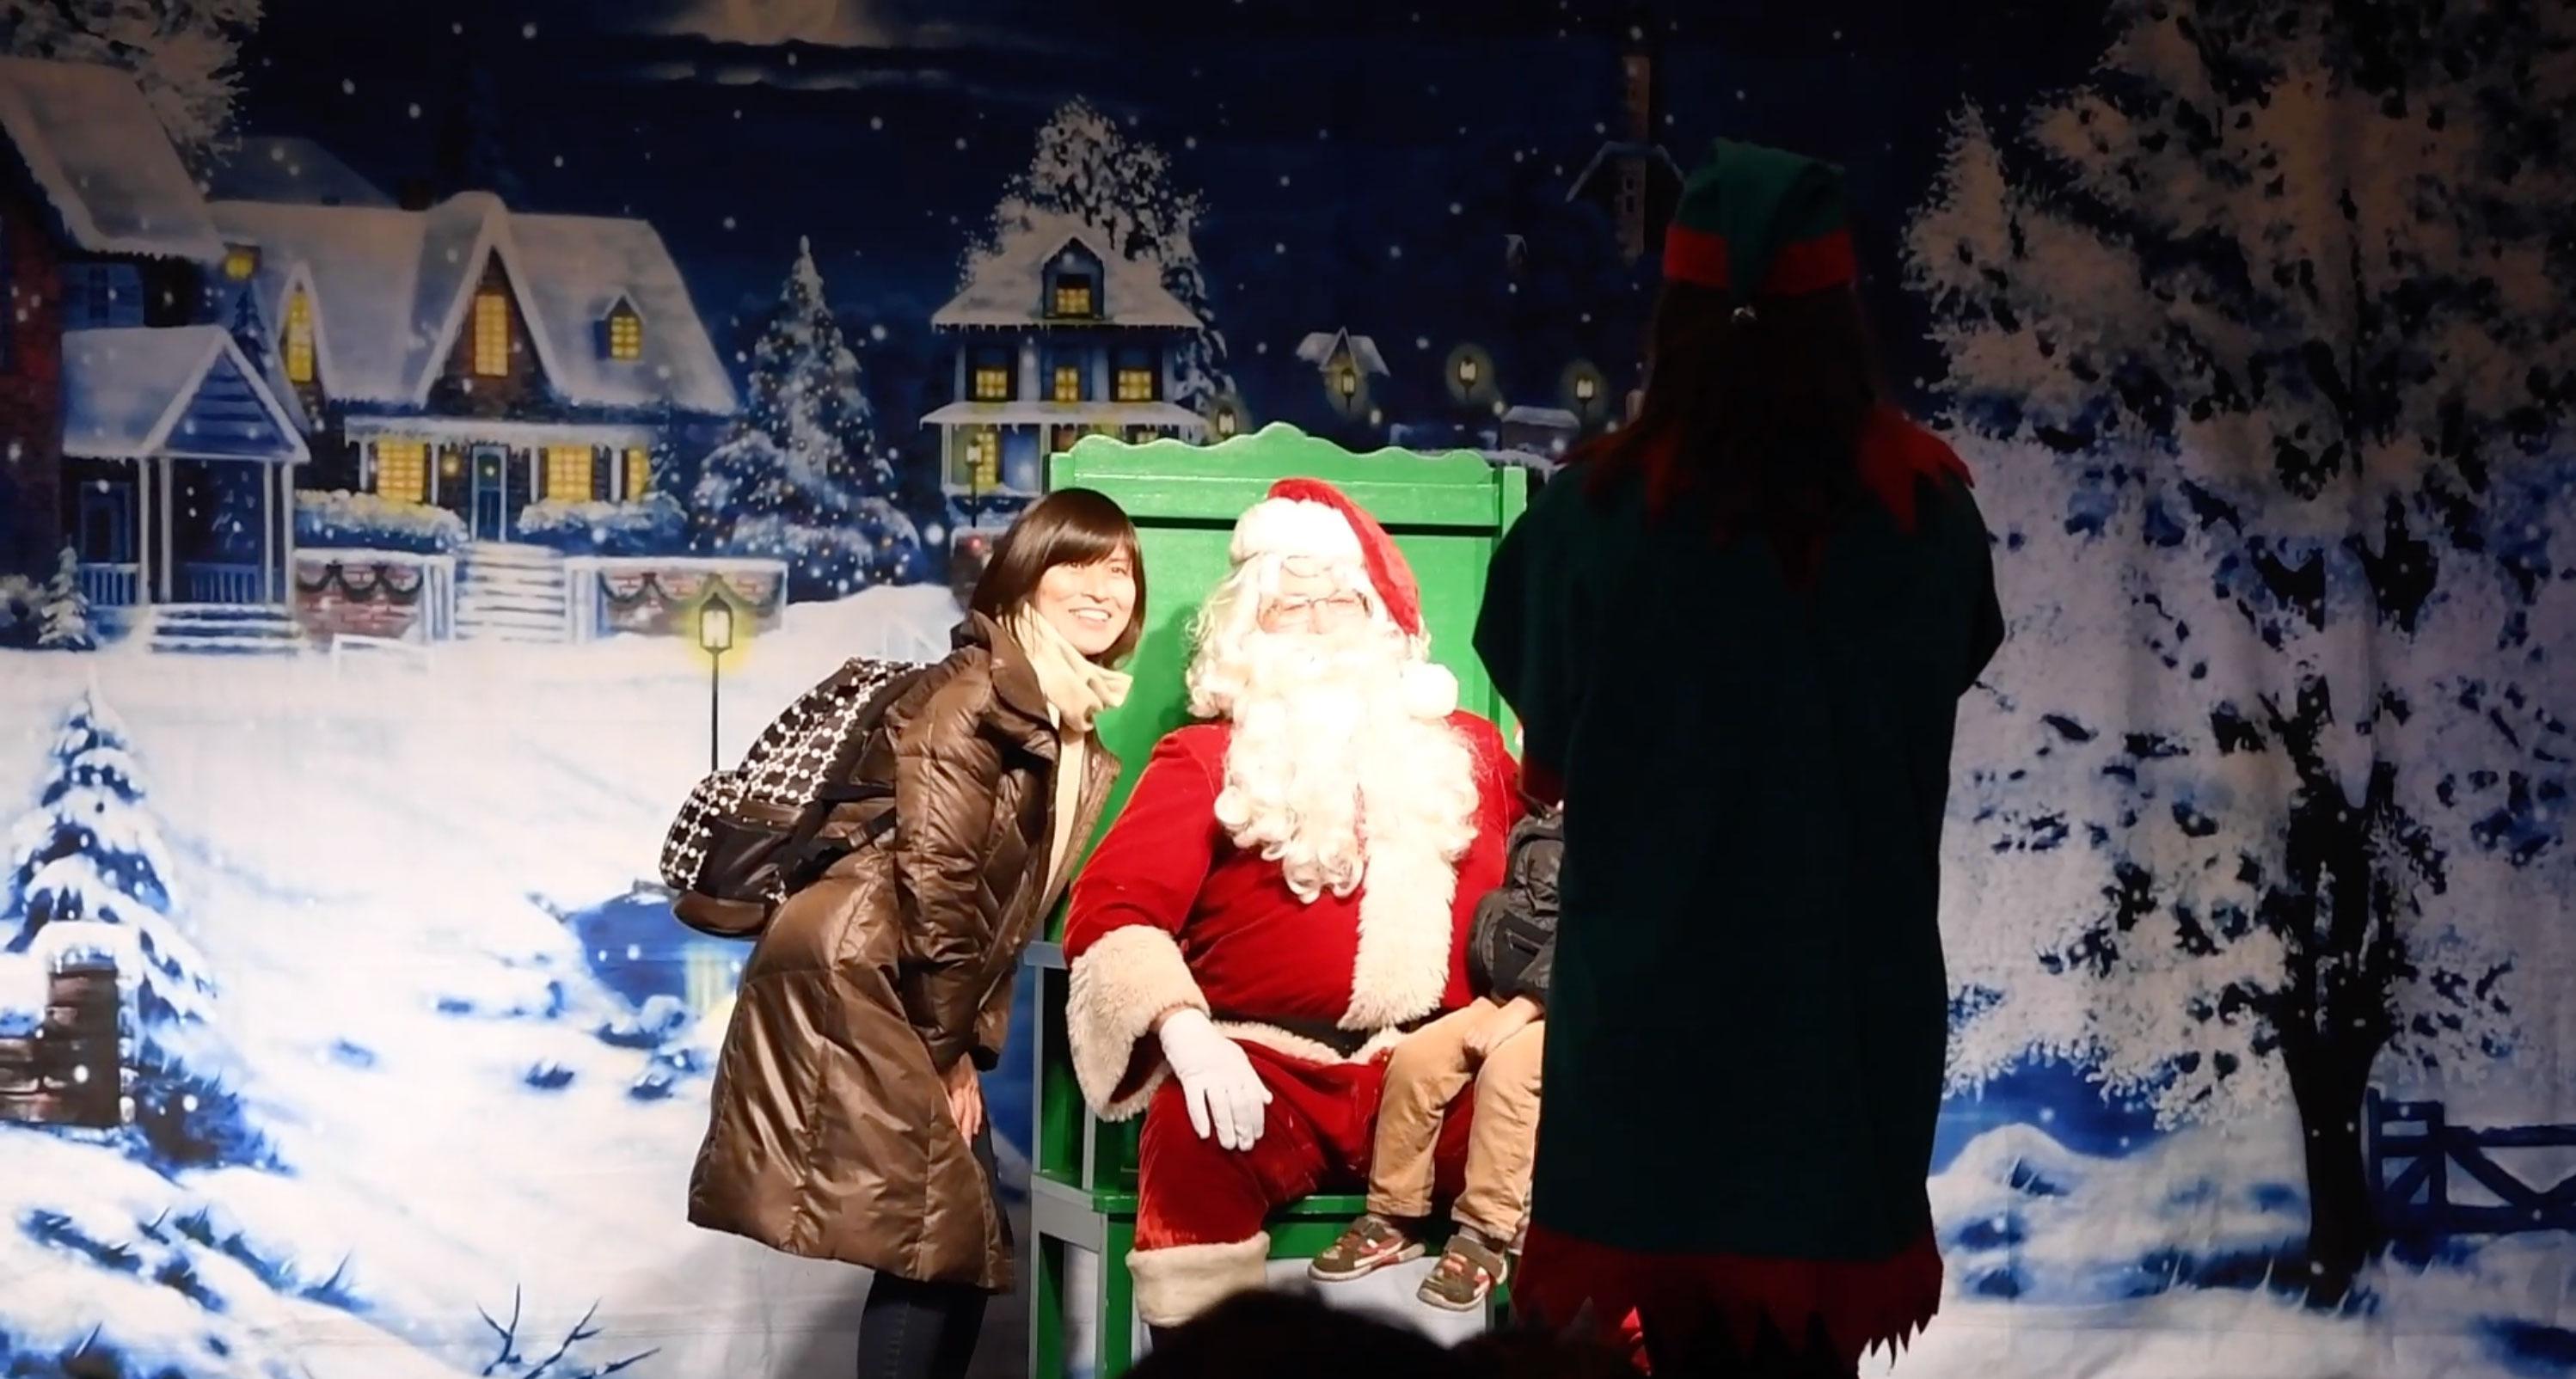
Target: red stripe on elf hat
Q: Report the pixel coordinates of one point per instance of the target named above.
(1812, 265)
(1388, 571)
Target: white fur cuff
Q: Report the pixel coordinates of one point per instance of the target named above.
(1116, 989)
(1178, 1282)
(1294, 527)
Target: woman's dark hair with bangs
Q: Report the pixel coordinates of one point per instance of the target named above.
(1071, 526)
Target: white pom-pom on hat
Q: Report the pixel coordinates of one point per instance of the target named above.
(1429, 690)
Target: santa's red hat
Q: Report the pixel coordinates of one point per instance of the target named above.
(1313, 519)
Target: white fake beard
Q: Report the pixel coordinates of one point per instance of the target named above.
(1326, 764)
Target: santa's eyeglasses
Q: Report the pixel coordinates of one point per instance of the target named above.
(1342, 605)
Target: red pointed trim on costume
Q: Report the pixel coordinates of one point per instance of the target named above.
(1864, 1304)
(1809, 265)
(1896, 455)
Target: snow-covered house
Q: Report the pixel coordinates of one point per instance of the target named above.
(1346, 361)
(147, 443)
(1056, 338)
(1540, 430)
(474, 358)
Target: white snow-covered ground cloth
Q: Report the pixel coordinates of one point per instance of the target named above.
(366, 856)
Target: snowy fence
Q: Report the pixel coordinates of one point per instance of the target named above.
(375, 594)
(651, 595)
(350, 646)
(2415, 1140)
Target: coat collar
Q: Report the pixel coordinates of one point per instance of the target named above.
(1022, 705)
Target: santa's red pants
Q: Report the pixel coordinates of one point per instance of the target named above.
(1200, 1205)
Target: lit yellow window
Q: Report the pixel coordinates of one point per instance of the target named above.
(983, 458)
(625, 336)
(1068, 383)
(492, 334)
(992, 383)
(1135, 385)
(299, 337)
(240, 263)
(402, 470)
(1073, 296)
(568, 473)
(639, 473)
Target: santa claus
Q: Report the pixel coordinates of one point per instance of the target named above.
(1286, 893)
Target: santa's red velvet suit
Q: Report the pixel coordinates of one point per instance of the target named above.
(1171, 912)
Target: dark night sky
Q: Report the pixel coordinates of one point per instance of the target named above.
(888, 142)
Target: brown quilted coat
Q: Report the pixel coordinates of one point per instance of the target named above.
(831, 1136)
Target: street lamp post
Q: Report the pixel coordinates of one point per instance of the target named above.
(715, 637)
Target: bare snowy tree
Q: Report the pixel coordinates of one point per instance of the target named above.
(2265, 345)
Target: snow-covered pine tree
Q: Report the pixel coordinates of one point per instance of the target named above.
(91, 852)
(63, 620)
(1087, 167)
(799, 476)
(88, 873)
(181, 52)
(2266, 345)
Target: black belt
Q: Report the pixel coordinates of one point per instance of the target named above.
(1344, 1042)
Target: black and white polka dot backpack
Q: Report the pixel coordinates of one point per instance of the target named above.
(748, 837)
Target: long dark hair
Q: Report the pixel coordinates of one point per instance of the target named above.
(1753, 421)
(1071, 526)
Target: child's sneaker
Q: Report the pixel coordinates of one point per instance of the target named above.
(1467, 1272)
(1369, 1244)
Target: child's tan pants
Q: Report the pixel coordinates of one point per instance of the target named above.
(1425, 1073)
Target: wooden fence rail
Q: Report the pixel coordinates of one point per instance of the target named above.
(2414, 1150)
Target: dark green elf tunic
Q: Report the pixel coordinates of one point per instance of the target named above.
(1748, 1014)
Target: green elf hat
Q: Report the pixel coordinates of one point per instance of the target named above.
(1758, 222)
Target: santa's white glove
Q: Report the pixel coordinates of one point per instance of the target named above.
(1224, 1094)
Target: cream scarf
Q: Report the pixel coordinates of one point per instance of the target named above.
(1077, 689)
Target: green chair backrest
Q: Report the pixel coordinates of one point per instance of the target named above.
(1446, 512)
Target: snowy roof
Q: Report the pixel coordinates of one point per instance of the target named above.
(1621, 148)
(1319, 348)
(390, 291)
(294, 171)
(106, 166)
(125, 390)
(1033, 413)
(1554, 417)
(1002, 285)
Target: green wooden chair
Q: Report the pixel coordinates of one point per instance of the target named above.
(1446, 512)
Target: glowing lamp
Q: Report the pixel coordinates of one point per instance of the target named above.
(715, 627)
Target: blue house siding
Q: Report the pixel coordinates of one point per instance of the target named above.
(226, 420)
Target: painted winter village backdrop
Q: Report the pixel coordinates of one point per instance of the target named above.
(384, 395)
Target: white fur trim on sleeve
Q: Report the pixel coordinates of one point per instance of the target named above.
(1178, 1282)
(1116, 989)
(1294, 527)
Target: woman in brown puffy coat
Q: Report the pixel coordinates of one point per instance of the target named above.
(848, 1120)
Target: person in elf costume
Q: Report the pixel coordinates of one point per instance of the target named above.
(1286, 893)
(1754, 788)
